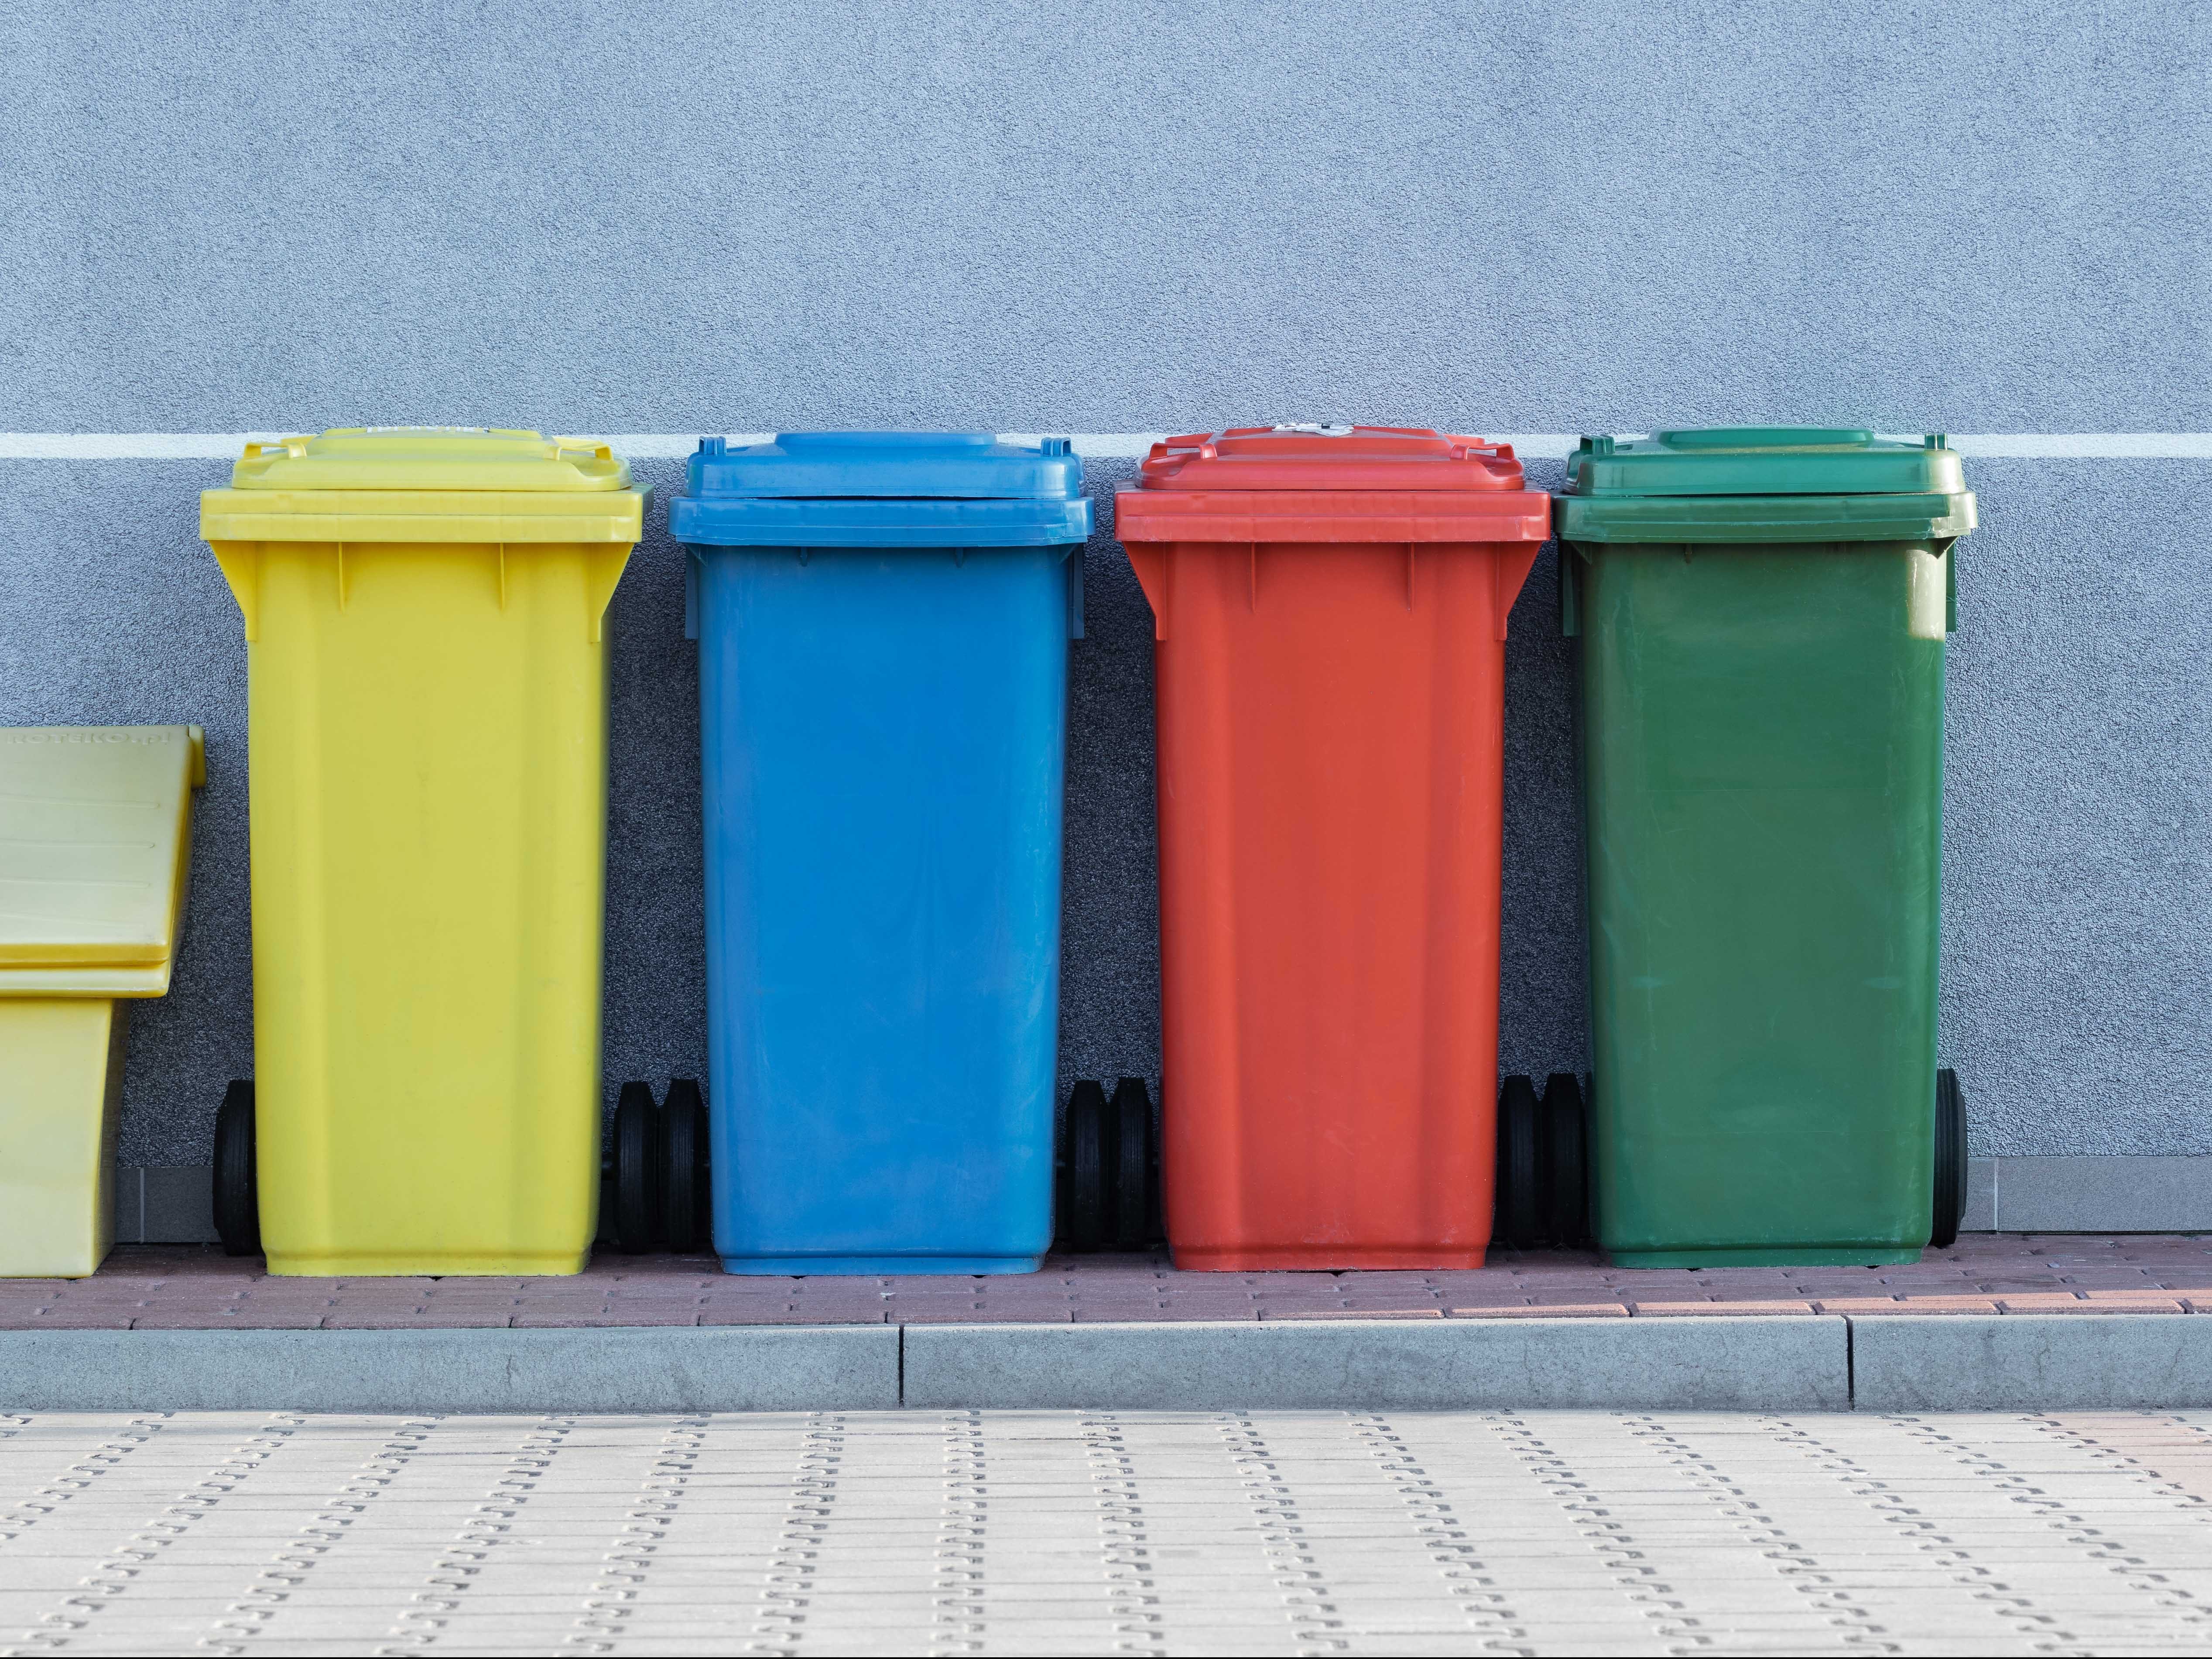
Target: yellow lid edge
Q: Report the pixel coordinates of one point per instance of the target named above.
(18, 983)
(240, 515)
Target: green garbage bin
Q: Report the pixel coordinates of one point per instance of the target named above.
(1762, 615)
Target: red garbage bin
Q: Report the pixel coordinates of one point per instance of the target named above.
(1329, 607)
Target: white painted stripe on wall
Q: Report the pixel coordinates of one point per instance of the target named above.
(1536, 445)
(1127, 445)
(127, 446)
(2099, 446)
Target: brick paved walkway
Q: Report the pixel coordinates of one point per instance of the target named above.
(1093, 1532)
(152, 1287)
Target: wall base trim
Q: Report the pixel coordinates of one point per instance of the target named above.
(2094, 1194)
(161, 1204)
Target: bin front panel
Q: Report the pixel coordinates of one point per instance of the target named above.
(1762, 748)
(428, 798)
(1330, 764)
(883, 734)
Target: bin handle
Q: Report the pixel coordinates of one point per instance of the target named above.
(563, 447)
(1152, 563)
(296, 448)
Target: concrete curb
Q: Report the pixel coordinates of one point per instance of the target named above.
(732, 1369)
(1784, 1363)
(2031, 1362)
(1918, 1363)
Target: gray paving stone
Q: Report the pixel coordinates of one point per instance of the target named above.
(2023, 1361)
(1775, 1363)
(730, 1368)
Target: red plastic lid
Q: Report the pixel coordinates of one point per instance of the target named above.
(1329, 458)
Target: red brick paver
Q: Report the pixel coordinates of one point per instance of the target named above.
(170, 1287)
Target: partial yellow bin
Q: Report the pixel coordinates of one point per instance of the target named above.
(427, 689)
(96, 839)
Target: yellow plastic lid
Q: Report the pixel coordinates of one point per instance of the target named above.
(94, 839)
(429, 458)
(462, 485)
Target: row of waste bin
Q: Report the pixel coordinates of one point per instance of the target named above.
(883, 622)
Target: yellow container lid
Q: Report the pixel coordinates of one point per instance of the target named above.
(429, 458)
(463, 484)
(95, 841)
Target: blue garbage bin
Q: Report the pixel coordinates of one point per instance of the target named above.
(883, 622)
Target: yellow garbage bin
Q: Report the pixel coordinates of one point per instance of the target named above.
(95, 837)
(426, 691)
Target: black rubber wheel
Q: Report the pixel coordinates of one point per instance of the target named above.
(1950, 1161)
(1083, 1196)
(1520, 1188)
(237, 1176)
(634, 1193)
(1566, 1160)
(1136, 1165)
(683, 1187)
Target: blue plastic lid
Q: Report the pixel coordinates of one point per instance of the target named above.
(883, 488)
(972, 465)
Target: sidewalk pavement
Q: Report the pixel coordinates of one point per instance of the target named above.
(196, 1287)
(1187, 1533)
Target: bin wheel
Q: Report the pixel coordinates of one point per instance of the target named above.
(684, 1189)
(1082, 1206)
(1950, 1161)
(1520, 1192)
(1566, 1185)
(1136, 1167)
(237, 1176)
(636, 1176)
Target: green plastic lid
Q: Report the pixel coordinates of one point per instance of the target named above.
(1764, 484)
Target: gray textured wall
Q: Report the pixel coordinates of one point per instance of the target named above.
(1984, 215)
(2077, 852)
(1979, 217)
